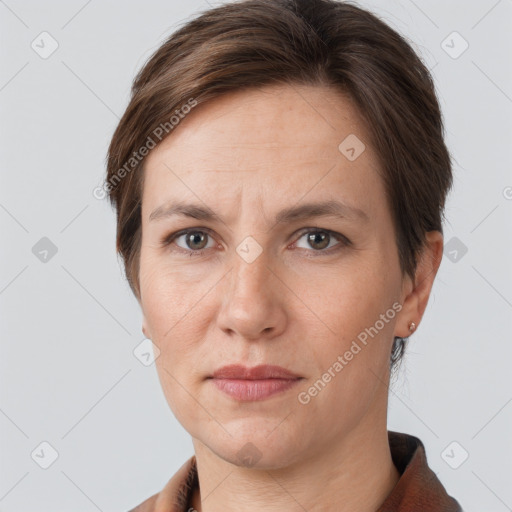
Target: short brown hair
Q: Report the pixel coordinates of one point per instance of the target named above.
(253, 43)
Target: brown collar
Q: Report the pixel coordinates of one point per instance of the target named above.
(418, 487)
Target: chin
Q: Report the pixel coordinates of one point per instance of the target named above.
(257, 444)
(253, 456)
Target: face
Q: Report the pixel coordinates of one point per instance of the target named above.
(266, 279)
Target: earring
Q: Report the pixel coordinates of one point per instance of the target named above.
(412, 326)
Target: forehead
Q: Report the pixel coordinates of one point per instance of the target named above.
(272, 139)
(281, 116)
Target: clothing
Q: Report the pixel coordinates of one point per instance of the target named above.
(418, 490)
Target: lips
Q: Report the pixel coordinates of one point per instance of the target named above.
(252, 384)
(260, 372)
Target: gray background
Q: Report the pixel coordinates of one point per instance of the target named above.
(69, 325)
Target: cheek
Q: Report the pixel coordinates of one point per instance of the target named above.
(359, 308)
(173, 315)
(164, 298)
(175, 312)
(158, 297)
(351, 297)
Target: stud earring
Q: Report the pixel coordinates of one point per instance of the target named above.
(412, 326)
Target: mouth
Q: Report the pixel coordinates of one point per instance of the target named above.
(254, 389)
(262, 371)
(252, 384)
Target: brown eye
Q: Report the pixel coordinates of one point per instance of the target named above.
(196, 240)
(319, 240)
(322, 241)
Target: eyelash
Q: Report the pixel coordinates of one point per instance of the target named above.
(343, 240)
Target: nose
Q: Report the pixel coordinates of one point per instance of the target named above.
(253, 306)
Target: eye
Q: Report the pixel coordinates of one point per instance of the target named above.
(321, 240)
(194, 241)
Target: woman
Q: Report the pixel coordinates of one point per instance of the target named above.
(299, 144)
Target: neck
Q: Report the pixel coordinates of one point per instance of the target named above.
(355, 474)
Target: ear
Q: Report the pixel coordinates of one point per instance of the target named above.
(415, 294)
(145, 330)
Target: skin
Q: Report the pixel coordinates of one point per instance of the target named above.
(247, 156)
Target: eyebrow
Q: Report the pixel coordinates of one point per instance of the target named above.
(292, 214)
